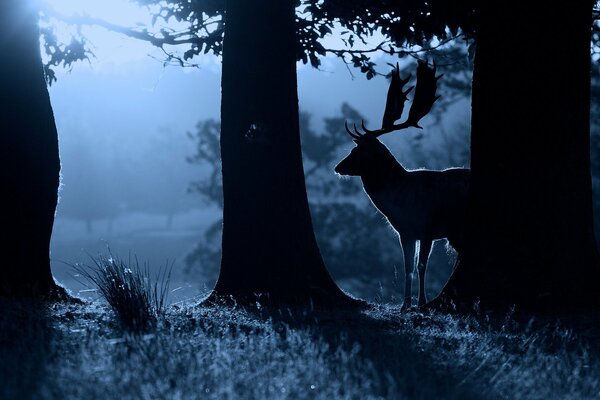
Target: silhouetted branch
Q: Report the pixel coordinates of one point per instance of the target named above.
(158, 41)
(391, 50)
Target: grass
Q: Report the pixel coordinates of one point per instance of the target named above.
(78, 351)
(138, 301)
(81, 351)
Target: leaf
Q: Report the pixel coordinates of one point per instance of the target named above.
(189, 54)
(314, 60)
(324, 30)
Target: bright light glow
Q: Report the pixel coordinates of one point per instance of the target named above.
(111, 50)
(120, 12)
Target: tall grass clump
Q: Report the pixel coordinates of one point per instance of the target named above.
(138, 301)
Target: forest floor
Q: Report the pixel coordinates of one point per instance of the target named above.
(79, 351)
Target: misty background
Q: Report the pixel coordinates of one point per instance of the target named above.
(129, 127)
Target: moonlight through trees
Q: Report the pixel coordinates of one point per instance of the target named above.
(529, 239)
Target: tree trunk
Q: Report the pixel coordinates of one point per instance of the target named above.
(269, 247)
(530, 239)
(29, 144)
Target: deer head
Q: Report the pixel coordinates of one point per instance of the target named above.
(369, 151)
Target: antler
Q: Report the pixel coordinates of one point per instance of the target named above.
(394, 105)
(356, 134)
(425, 96)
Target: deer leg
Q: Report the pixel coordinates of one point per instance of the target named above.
(424, 250)
(408, 248)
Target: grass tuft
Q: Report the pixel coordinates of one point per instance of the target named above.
(138, 301)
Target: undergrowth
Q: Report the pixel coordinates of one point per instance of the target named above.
(138, 300)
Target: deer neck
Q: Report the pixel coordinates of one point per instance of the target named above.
(383, 177)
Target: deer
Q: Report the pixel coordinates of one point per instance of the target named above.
(421, 205)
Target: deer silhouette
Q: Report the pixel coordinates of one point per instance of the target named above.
(421, 205)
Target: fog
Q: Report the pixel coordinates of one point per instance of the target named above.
(123, 121)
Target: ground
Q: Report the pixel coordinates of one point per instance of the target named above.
(79, 351)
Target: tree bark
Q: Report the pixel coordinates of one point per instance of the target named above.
(530, 239)
(269, 247)
(29, 143)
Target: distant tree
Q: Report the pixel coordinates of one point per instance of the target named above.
(87, 192)
(105, 176)
(207, 252)
(160, 177)
(28, 139)
(531, 190)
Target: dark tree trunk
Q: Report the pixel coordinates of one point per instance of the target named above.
(29, 144)
(269, 248)
(530, 239)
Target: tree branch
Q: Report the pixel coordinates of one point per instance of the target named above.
(167, 38)
(391, 51)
